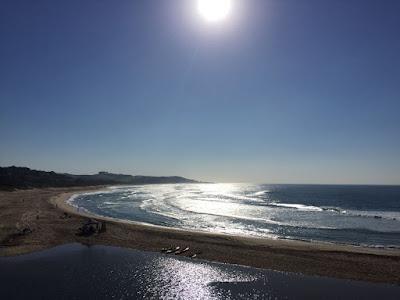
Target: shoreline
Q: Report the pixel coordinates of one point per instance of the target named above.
(62, 201)
(43, 210)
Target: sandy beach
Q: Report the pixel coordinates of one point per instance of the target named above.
(42, 211)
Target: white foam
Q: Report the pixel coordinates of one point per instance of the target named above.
(298, 206)
(390, 215)
(230, 210)
(260, 193)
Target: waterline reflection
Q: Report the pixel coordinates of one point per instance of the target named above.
(78, 272)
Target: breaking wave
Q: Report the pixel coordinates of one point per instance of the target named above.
(305, 212)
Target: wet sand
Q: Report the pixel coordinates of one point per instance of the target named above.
(42, 210)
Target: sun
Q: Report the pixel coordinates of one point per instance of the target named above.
(214, 10)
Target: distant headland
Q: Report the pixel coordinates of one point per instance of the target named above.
(12, 178)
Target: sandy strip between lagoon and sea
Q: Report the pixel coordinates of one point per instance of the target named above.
(43, 211)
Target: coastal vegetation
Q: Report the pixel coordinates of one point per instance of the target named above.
(12, 178)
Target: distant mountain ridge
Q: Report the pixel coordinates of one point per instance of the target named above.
(12, 178)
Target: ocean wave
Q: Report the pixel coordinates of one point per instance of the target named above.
(388, 215)
(110, 204)
(260, 193)
(297, 206)
(239, 197)
(244, 210)
(172, 209)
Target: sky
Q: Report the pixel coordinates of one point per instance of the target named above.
(281, 91)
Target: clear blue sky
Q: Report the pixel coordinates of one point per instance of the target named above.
(280, 91)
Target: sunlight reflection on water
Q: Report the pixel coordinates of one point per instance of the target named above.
(356, 216)
(175, 279)
(97, 272)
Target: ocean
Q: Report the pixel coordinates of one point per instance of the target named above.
(345, 214)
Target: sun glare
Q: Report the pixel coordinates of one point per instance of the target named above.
(214, 10)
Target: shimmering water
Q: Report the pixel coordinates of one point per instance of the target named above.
(367, 215)
(79, 272)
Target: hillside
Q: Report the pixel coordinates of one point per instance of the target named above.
(12, 178)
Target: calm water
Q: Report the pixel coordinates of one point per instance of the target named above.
(366, 215)
(98, 272)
